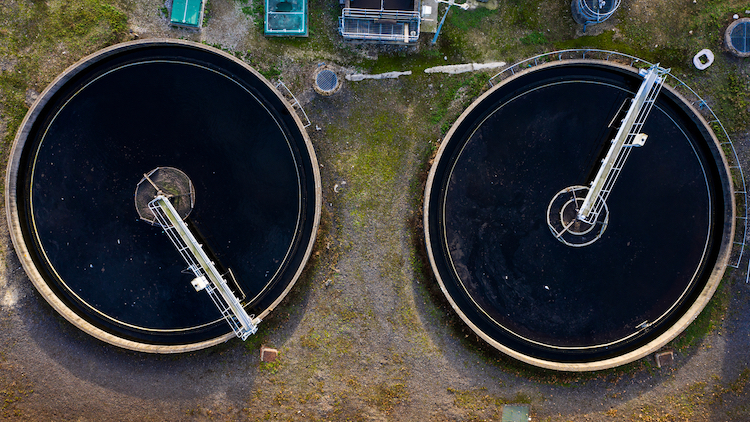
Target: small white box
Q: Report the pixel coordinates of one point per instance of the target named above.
(199, 283)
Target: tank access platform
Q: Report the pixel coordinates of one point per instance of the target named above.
(578, 215)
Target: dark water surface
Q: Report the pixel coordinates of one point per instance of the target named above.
(498, 259)
(177, 107)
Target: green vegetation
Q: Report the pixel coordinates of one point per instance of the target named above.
(464, 20)
(416, 62)
(254, 342)
(272, 367)
(604, 41)
(462, 88)
(12, 392)
(709, 320)
(207, 12)
(13, 103)
(386, 396)
(73, 19)
(479, 399)
(313, 339)
(482, 405)
(534, 38)
(732, 101)
(271, 73)
(526, 13)
(382, 131)
(727, 400)
(258, 13)
(66, 29)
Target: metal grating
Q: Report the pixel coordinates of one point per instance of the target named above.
(740, 37)
(326, 80)
(387, 26)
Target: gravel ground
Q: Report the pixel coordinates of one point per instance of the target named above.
(365, 335)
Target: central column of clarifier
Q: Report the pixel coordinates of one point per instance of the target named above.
(169, 182)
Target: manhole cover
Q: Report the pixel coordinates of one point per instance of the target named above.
(326, 81)
(738, 37)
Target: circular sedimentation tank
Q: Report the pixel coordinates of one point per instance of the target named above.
(610, 294)
(193, 123)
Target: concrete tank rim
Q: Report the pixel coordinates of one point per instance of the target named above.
(681, 324)
(11, 197)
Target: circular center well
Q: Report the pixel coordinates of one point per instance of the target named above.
(565, 224)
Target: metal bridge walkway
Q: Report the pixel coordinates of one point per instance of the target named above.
(207, 277)
(628, 136)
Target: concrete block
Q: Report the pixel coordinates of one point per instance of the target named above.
(268, 354)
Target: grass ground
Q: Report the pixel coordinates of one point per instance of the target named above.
(366, 334)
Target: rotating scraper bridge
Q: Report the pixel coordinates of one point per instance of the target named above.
(578, 221)
(693, 98)
(207, 277)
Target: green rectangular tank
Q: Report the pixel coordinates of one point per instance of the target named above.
(286, 18)
(187, 13)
